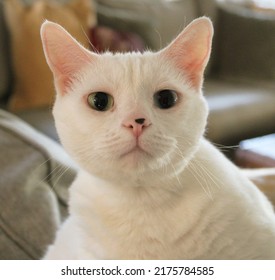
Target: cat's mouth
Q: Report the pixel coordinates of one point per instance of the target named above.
(135, 151)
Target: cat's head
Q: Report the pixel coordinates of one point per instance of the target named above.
(130, 116)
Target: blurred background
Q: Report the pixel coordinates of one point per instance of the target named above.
(239, 83)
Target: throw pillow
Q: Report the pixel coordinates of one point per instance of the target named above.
(33, 85)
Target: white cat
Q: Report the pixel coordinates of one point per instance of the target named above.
(150, 185)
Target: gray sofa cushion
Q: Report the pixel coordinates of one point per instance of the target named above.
(239, 110)
(41, 119)
(34, 176)
(245, 43)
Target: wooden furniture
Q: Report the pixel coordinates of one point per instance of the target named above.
(257, 155)
(257, 152)
(264, 179)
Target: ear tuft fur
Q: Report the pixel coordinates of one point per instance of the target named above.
(190, 51)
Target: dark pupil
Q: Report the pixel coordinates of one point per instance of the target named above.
(101, 101)
(165, 99)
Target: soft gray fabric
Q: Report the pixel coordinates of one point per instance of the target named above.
(35, 173)
(41, 119)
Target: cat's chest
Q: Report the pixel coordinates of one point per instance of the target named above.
(146, 223)
(132, 230)
(132, 235)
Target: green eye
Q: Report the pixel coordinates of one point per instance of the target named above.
(165, 99)
(100, 101)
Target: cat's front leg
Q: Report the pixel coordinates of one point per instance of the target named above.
(64, 246)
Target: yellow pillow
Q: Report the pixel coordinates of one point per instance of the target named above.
(33, 82)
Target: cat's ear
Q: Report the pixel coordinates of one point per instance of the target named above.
(190, 51)
(64, 55)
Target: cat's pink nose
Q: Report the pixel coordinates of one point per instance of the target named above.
(137, 126)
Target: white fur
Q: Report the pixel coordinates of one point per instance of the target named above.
(179, 199)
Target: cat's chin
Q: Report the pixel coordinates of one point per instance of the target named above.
(135, 152)
(135, 158)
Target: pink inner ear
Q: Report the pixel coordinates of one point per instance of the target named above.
(67, 64)
(65, 56)
(190, 51)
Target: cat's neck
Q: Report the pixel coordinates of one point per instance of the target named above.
(137, 192)
(162, 189)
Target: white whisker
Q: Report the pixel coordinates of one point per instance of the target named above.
(60, 175)
(199, 177)
(217, 182)
(48, 177)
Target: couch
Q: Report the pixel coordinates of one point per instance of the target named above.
(34, 179)
(239, 87)
(239, 84)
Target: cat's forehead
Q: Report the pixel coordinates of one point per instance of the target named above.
(131, 75)
(134, 61)
(146, 69)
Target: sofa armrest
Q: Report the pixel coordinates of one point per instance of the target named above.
(34, 178)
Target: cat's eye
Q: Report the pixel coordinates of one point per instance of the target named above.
(165, 99)
(100, 101)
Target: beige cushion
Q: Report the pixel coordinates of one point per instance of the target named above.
(32, 77)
